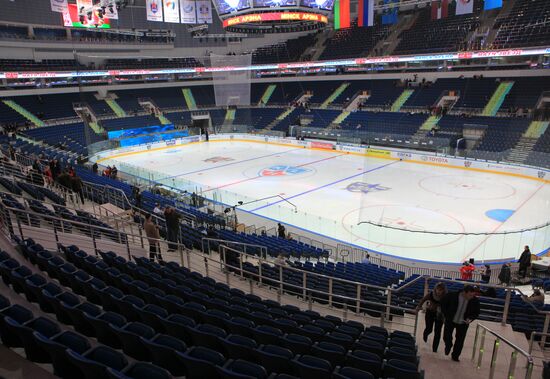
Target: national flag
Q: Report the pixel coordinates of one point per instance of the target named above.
(440, 9)
(389, 14)
(342, 18)
(492, 4)
(464, 7)
(366, 13)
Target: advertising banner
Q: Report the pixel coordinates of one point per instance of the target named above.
(188, 12)
(154, 10)
(171, 11)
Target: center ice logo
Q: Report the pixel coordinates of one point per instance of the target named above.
(365, 187)
(281, 170)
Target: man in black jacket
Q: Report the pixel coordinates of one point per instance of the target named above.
(460, 309)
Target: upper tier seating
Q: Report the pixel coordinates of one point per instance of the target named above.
(130, 122)
(10, 116)
(49, 107)
(166, 97)
(385, 122)
(288, 51)
(525, 92)
(447, 34)
(525, 25)
(354, 42)
(473, 93)
(114, 64)
(10, 31)
(73, 136)
(44, 65)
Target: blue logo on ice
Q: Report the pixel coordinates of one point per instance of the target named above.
(500, 215)
(283, 171)
(365, 187)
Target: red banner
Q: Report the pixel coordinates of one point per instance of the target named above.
(276, 16)
(322, 145)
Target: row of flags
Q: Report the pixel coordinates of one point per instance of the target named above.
(440, 8)
(179, 11)
(365, 10)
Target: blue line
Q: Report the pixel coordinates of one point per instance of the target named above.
(228, 164)
(324, 186)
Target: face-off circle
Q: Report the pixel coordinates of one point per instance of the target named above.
(467, 187)
(411, 220)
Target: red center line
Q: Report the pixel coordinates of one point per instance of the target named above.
(259, 176)
(500, 225)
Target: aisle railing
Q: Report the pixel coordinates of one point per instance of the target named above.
(481, 333)
(47, 229)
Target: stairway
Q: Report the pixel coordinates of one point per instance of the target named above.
(163, 120)
(536, 129)
(98, 129)
(398, 103)
(521, 151)
(497, 99)
(279, 118)
(430, 123)
(341, 117)
(267, 94)
(335, 124)
(229, 116)
(333, 96)
(115, 107)
(426, 127)
(524, 147)
(189, 99)
(23, 112)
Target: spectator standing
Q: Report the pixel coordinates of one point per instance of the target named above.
(153, 237)
(137, 197)
(366, 260)
(524, 262)
(467, 271)
(486, 274)
(48, 176)
(55, 168)
(505, 276)
(434, 316)
(281, 230)
(76, 185)
(95, 168)
(172, 227)
(459, 309)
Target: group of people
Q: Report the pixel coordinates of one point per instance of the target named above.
(468, 269)
(453, 310)
(52, 172)
(152, 230)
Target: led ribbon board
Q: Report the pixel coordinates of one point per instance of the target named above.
(282, 66)
(274, 16)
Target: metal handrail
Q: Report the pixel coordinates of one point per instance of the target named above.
(498, 338)
(345, 281)
(542, 342)
(306, 293)
(207, 240)
(14, 221)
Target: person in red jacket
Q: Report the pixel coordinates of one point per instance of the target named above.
(467, 271)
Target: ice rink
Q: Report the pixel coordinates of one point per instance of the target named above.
(401, 208)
